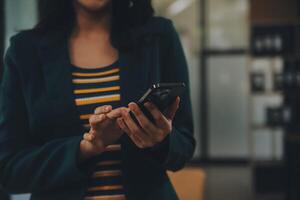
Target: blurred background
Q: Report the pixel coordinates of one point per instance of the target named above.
(244, 67)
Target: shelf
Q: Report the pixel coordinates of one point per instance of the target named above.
(268, 93)
(286, 56)
(264, 126)
(268, 162)
(271, 22)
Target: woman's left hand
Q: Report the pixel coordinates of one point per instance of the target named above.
(147, 134)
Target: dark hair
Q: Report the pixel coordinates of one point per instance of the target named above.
(59, 15)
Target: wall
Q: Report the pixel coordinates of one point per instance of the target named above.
(19, 15)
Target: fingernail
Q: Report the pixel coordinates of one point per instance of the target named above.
(148, 104)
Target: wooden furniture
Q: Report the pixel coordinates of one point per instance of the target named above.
(189, 183)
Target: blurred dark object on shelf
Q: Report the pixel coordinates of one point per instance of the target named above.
(278, 116)
(291, 76)
(257, 81)
(273, 40)
(293, 101)
(278, 81)
(291, 92)
(3, 194)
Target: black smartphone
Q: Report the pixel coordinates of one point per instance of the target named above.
(161, 95)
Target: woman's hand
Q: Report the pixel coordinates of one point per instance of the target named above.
(103, 132)
(147, 134)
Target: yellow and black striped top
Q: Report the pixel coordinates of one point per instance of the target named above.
(92, 88)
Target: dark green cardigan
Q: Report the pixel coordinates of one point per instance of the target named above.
(40, 129)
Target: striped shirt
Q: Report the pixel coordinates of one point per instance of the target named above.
(92, 88)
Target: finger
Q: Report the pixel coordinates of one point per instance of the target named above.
(103, 109)
(94, 120)
(144, 122)
(88, 146)
(136, 130)
(89, 137)
(160, 120)
(122, 125)
(94, 133)
(115, 113)
(171, 110)
(137, 141)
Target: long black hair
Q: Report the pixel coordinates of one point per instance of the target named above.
(59, 15)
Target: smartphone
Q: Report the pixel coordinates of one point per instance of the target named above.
(161, 95)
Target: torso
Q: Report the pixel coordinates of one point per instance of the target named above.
(92, 88)
(95, 75)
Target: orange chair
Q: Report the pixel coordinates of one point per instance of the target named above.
(189, 183)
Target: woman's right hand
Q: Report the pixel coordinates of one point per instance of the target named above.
(103, 132)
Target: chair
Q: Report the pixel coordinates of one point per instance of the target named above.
(188, 183)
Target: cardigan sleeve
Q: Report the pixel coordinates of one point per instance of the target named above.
(25, 167)
(178, 147)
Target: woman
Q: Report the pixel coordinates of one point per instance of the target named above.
(68, 86)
